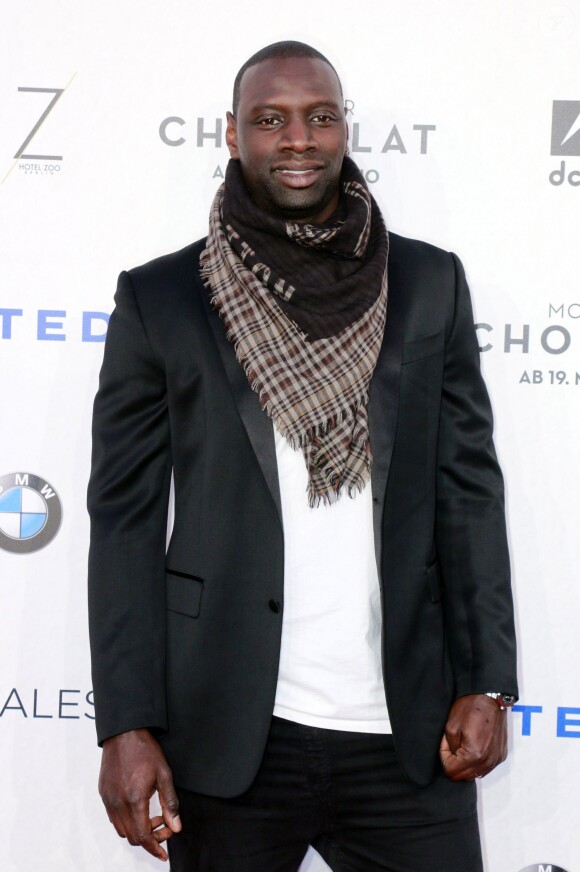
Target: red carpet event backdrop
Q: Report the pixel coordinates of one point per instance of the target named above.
(465, 119)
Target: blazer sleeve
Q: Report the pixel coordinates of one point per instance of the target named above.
(470, 519)
(127, 500)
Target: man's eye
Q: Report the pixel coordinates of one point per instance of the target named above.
(269, 122)
(323, 118)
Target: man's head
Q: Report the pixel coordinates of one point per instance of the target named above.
(288, 48)
(289, 131)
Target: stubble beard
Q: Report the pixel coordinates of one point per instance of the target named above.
(290, 203)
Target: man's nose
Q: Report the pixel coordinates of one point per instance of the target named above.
(298, 135)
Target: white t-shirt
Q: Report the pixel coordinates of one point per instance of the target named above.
(330, 663)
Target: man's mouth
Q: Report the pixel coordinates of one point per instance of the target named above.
(298, 177)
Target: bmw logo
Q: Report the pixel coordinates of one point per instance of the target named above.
(543, 867)
(30, 512)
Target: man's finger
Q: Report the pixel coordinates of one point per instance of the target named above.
(162, 834)
(132, 822)
(129, 816)
(160, 831)
(464, 768)
(139, 829)
(466, 775)
(112, 815)
(151, 845)
(134, 817)
(169, 801)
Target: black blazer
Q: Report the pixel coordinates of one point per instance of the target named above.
(187, 644)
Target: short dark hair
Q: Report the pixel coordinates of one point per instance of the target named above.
(287, 48)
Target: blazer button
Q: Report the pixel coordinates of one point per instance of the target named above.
(274, 605)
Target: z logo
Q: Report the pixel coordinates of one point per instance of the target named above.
(20, 153)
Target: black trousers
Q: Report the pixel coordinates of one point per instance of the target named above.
(343, 793)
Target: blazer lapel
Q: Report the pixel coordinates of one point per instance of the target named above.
(384, 406)
(258, 426)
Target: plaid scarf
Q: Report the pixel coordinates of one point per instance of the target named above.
(304, 307)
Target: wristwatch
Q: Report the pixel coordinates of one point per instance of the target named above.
(504, 700)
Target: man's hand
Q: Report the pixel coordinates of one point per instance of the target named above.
(475, 738)
(133, 767)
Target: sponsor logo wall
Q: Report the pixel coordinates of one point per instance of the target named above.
(466, 124)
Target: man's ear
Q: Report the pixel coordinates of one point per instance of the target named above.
(232, 136)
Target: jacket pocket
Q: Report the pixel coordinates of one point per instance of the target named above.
(183, 593)
(423, 346)
(434, 581)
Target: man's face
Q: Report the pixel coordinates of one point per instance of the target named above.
(290, 136)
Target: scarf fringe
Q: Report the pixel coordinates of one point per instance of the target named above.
(329, 498)
(333, 491)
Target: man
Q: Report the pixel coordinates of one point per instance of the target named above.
(326, 652)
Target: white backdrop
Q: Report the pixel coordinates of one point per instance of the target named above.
(485, 159)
